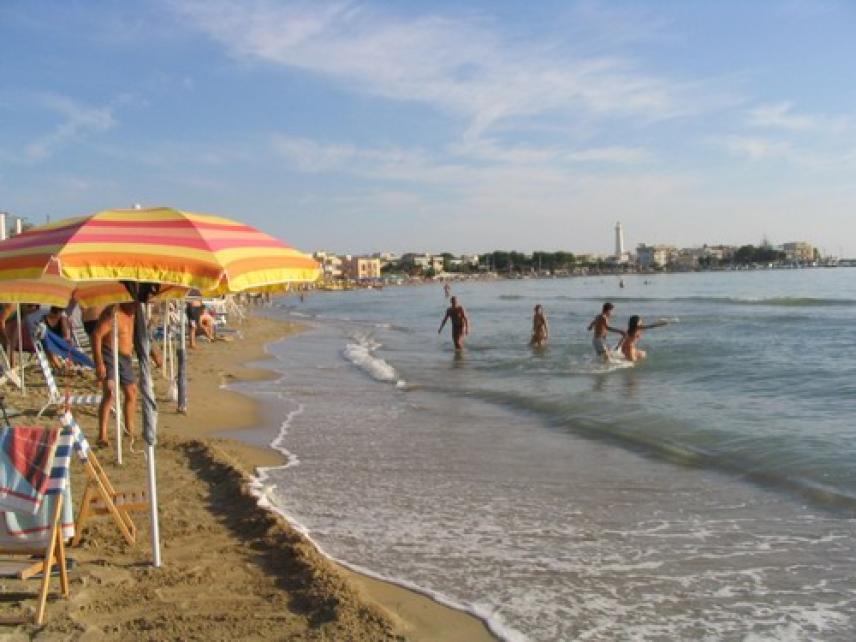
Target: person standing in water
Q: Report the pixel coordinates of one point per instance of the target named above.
(634, 332)
(540, 329)
(601, 327)
(460, 323)
(447, 290)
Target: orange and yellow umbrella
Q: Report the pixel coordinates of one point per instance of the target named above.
(159, 245)
(57, 291)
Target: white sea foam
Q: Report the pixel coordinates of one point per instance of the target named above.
(360, 353)
(263, 488)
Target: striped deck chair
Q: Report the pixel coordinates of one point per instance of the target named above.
(80, 338)
(55, 398)
(36, 498)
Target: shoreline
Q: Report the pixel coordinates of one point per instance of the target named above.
(416, 614)
(231, 568)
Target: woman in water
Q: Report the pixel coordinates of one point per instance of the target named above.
(540, 329)
(634, 333)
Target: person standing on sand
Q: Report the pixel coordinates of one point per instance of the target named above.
(601, 327)
(102, 346)
(634, 333)
(460, 323)
(540, 329)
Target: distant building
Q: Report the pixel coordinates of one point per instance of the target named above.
(387, 258)
(331, 265)
(654, 256)
(799, 251)
(424, 261)
(688, 258)
(361, 268)
(719, 252)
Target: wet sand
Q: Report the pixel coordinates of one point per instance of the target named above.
(231, 569)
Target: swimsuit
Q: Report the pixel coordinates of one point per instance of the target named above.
(127, 376)
(600, 346)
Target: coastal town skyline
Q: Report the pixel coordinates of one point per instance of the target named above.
(366, 125)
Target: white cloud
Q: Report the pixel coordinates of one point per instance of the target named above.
(78, 121)
(491, 150)
(756, 148)
(781, 116)
(456, 64)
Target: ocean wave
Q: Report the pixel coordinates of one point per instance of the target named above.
(587, 421)
(789, 302)
(360, 354)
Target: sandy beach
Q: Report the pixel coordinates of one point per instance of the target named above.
(231, 569)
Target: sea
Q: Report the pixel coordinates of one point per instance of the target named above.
(705, 493)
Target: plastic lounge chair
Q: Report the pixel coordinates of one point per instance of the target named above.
(36, 498)
(55, 398)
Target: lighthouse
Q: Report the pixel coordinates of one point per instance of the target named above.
(619, 243)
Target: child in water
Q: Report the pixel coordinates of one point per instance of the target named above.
(634, 333)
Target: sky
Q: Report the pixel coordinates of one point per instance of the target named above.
(440, 126)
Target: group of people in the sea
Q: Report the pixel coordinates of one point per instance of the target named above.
(600, 325)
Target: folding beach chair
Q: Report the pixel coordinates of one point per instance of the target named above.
(35, 493)
(79, 337)
(55, 398)
(9, 373)
(101, 498)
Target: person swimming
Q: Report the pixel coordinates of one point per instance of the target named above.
(540, 329)
(628, 344)
(601, 327)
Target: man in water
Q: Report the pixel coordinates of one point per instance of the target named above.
(460, 323)
(601, 327)
(447, 290)
(102, 346)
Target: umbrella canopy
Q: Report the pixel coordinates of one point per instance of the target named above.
(57, 291)
(159, 245)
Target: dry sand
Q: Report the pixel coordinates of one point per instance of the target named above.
(231, 569)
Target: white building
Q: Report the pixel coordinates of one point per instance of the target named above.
(653, 256)
(331, 264)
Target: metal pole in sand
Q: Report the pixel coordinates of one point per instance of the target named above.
(164, 314)
(21, 350)
(153, 504)
(117, 401)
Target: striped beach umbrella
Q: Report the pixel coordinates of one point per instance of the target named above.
(144, 250)
(57, 291)
(159, 245)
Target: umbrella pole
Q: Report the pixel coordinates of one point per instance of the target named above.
(153, 504)
(165, 314)
(117, 392)
(173, 388)
(21, 350)
(150, 420)
(181, 384)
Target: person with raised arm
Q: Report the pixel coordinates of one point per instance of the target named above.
(628, 345)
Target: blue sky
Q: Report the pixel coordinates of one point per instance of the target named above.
(364, 126)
